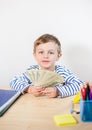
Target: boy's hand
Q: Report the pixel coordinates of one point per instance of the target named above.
(36, 91)
(51, 92)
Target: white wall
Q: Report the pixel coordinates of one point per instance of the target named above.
(22, 21)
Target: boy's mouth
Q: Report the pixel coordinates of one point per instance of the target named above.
(45, 61)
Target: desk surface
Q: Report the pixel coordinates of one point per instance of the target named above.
(36, 113)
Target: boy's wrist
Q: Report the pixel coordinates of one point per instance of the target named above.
(57, 92)
(26, 90)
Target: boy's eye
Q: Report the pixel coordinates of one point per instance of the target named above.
(51, 52)
(40, 52)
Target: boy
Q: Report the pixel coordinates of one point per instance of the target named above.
(47, 51)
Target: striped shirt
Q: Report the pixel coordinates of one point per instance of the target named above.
(70, 87)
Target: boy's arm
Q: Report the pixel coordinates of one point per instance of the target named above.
(72, 83)
(20, 83)
(71, 87)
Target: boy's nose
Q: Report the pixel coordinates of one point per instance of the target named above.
(46, 55)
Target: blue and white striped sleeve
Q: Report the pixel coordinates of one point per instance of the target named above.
(72, 83)
(22, 81)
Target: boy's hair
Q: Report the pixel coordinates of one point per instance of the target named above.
(47, 38)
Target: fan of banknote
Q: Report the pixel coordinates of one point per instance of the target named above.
(44, 78)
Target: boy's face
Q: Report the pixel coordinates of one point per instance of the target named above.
(46, 55)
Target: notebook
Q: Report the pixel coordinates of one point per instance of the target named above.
(65, 120)
(7, 98)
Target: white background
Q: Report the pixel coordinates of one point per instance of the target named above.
(22, 21)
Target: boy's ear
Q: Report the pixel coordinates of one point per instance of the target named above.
(59, 55)
(34, 55)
